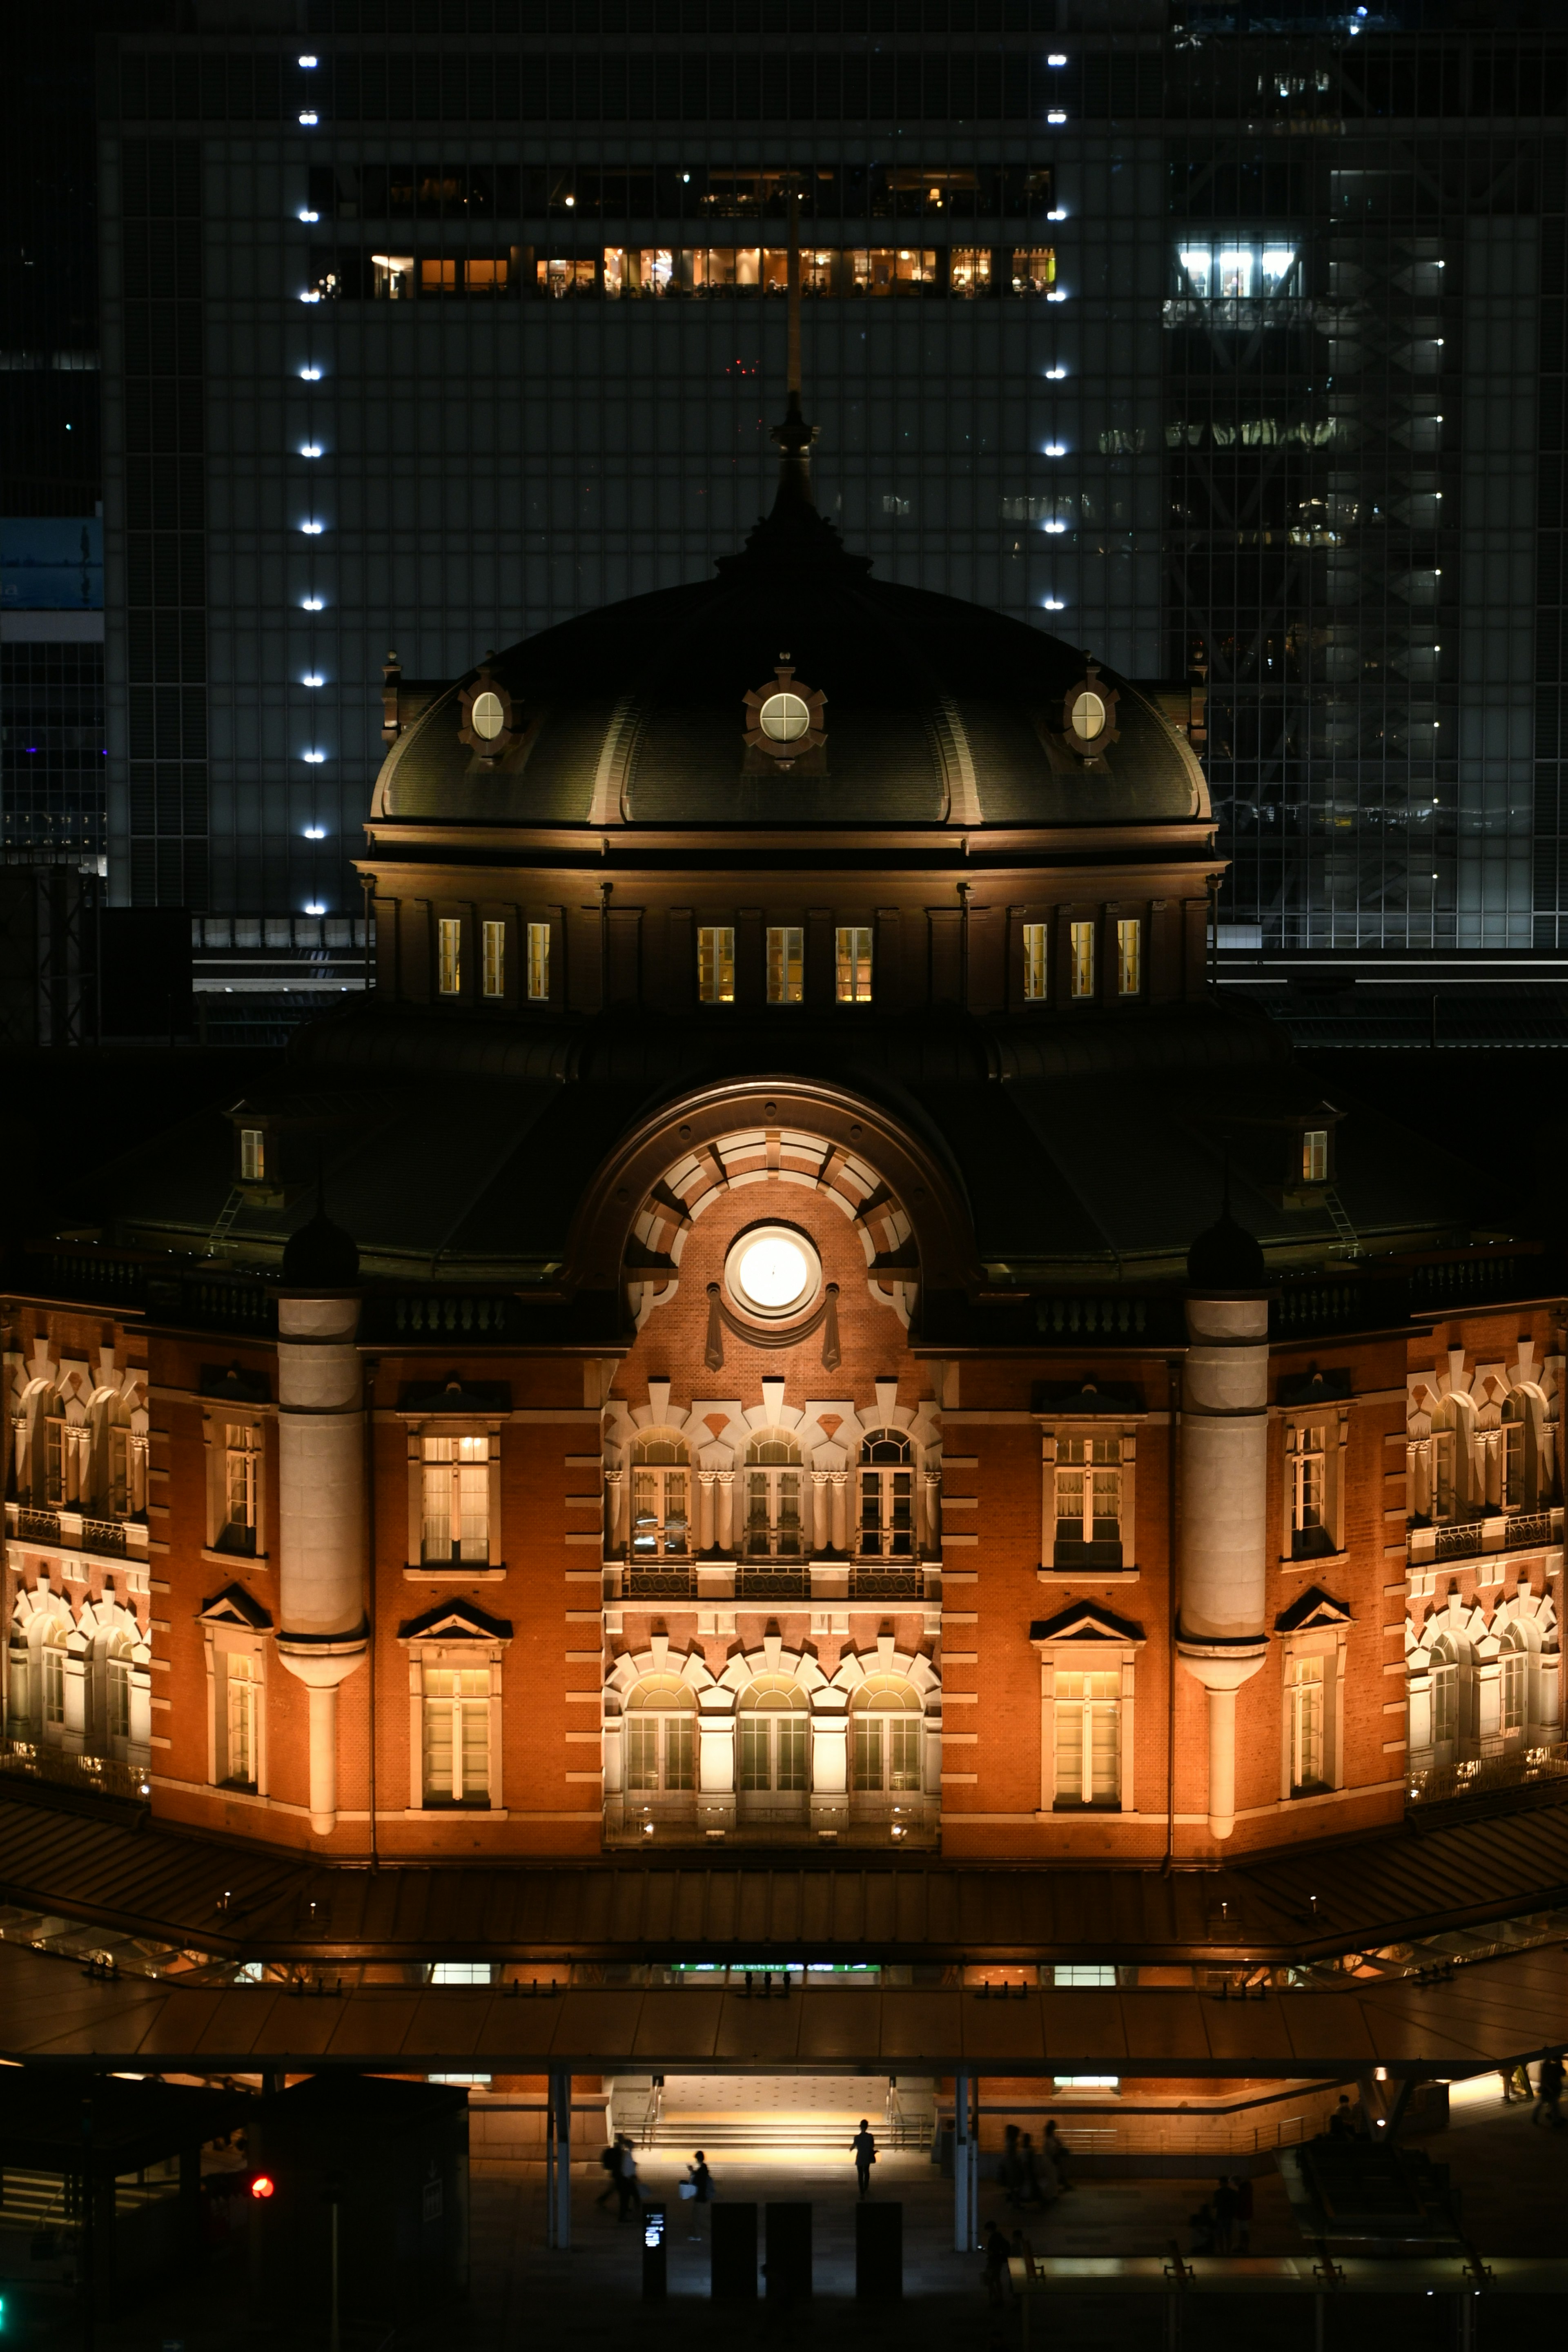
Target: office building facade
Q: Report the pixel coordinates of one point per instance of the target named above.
(1202, 346)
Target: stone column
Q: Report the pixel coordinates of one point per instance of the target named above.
(726, 1529)
(705, 1509)
(821, 1529)
(931, 1491)
(615, 1482)
(1222, 1638)
(829, 1759)
(839, 1532)
(323, 1635)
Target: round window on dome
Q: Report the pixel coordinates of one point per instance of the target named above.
(784, 718)
(1088, 716)
(488, 716)
(772, 1272)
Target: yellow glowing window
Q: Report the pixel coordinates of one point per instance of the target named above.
(485, 276)
(1129, 958)
(252, 1154)
(537, 963)
(1315, 1155)
(1035, 969)
(1033, 269)
(1083, 959)
(437, 276)
(449, 959)
(970, 270)
(854, 963)
(715, 965)
(495, 958)
(786, 963)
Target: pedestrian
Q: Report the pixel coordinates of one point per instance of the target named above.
(995, 2264)
(1241, 2189)
(1224, 2203)
(1029, 2189)
(610, 2158)
(865, 2146)
(1202, 2224)
(1550, 2096)
(697, 2188)
(1341, 2122)
(1055, 2149)
(627, 2189)
(1012, 2171)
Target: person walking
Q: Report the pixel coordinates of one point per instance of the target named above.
(1548, 2097)
(865, 2146)
(610, 2158)
(1010, 2174)
(1241, 2189)
(627, 2189)
(1055, 2150)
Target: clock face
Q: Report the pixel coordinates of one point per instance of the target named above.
(487, 718)
(1088, 716)
(772, 1272)
(784, 718)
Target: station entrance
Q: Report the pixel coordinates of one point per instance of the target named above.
(815, 2113)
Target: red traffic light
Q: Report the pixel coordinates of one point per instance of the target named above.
(262, 2186)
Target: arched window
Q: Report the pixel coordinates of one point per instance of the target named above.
(51, 1707)
(773, 1499)
(111, 1655)
(1445, 1674)
(1514, 1696)
(60, 1470)
(1450, 1461)
(661, 1499)
(887, 1496)
(661, 1737)
(774, 1732)
(887, 1737)
(1527, 1482)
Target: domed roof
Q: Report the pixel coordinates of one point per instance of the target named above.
(319, 1256)
(1226, 1257)
(937, 711)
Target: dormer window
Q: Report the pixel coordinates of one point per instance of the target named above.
(252, 1155)
(1089, 715)
(490, 725)
(783, 719)
(1315, 1155)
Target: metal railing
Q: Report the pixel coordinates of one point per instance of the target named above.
(37, 1527)
(1477, 1776)
(672, 1583)
(887, 1583)
(98, 1776)
(1492, 1531)
(775, 1583)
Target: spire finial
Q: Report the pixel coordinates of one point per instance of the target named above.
(795, 436)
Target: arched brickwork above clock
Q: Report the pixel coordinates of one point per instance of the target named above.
(896, 1192)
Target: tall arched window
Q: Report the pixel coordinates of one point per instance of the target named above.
(661, 1499)
(110, 1690)
(51, 1709)
(773, 1499)
(887, 1496)
(1513, 1697)
(661, 1737)
(1445, 1674)
(773, 1737)
(887, 1737)
(1515, 1449)
(1450, 1461)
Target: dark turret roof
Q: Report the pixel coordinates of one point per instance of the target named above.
(319, 1256)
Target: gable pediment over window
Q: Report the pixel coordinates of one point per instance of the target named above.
(1082, 1620)
(1312, 1609)
(235, 1606)
(455, 1621)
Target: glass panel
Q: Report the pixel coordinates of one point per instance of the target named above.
(854, 964)
(1306, 1722)
(495, 958)
(867, 1760)
(1083, 959)
(1033, 269)
(788, 1511)
(538, 961)
(1445, 1691)
(786, 962)
(970, 270)
(1314, 1155)
(1514, 1663)
(118, 1698)
(1129, 958)
(474, 1499)
(240, 1724)
(1069, 1714)
(715, 965)
(252, 1154)
(754, 1759)
(1034, 965)
(791, 1750)
(450, 965)
(905, 1736)
(679, 1753)
(642, 1752)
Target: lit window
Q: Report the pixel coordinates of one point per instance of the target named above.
(1088, 716)
(117, 1688)
(786, 964)
(1197, 261)
(1309, 1464)
(1033, 269)
(1088, 1502)
(457, 1499)
(853, 984)
(1315, 1155)
(661, 1746)
(1083, 1975)
(1083, 959)
(1513, 1691)
(886, 1497)
(1234, 272)
(785, 718)
(887, 1737)
(1088, 1739)
(462, 1972)
(495, 958)
(1088, 2082)
(252, 1155)
(715, 965)
(1278, 260)
(1304, 1689)
(1129, 958)
(241, 1465)
(391, 277)
(487, 719)
(773, 1737)
(238, 1762)
(537, 963)
(436, 275)
(1035, 967)
(661, 1511)
(969, 270)
(450, 959)
(53, 1663)
(773, 1529)
(1515, 1426)
(1445, 1694)
(456, 1735)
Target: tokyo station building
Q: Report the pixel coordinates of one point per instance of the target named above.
(793, 1341)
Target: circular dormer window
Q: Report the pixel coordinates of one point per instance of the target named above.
(784, 718)
(772, 1272)
(1089, 714)
(488, 716)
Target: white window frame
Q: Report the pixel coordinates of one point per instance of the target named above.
(786, 963)
(1081, 960)
(1333, 1420)
(253, 1155)
(459, 1654)
(854, 970)
(1130, 955)
(448, 1569)
(769, 1477)
(658, 1714)
(1314, 1155)
(1036, 962)
(538, 964)
(448, 955)
(223, 1641)
(1124, 1434)
(492, 937)
(882, 1797)
(659, 1477)
(218, 1419)
(716, 963)
(1089, 1653)
(881, 1479)
(1329, 1645)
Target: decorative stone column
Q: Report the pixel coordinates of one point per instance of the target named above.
(1222, 1637)
(726, 1531)
(829, 1759)
(931, 1491)
(716, 1758)
(821, 1525)
(615, 1483)
(839, 1532)
(323, 1635)
(705, 1510)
